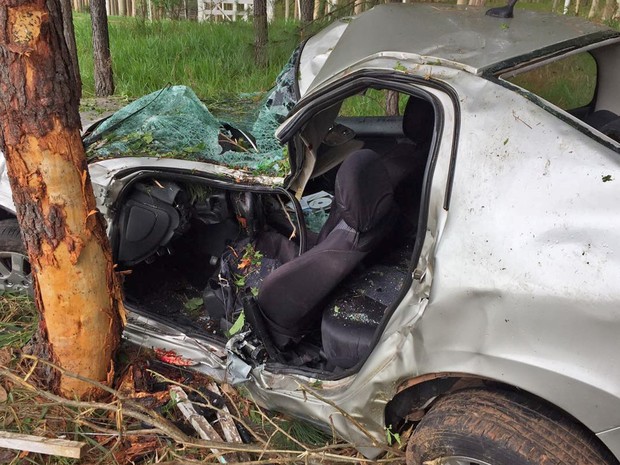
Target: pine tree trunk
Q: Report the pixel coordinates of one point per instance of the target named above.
(104, 84)
(260, 33)
(608, 11)
(69, 35)
(76, 291)
(593, 9)
(391, 96)
(391, 103)
(307, 11)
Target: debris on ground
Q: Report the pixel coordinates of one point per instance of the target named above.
(159, 412)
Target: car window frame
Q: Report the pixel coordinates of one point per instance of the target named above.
(500, 77)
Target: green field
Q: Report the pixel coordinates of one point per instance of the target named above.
(214, 59)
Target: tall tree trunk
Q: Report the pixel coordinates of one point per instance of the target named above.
(260, 33)
(593, 9)
(391, 103)
(76, 291)
(104, 83)
(391, 96)
(307, 11)
(608, 11)
(566, 7)
(69, 35)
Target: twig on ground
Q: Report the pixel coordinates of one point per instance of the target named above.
(126, 408)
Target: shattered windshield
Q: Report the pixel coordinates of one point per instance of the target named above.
(174, 123)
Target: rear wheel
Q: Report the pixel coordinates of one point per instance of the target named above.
(15, 273)
(483, 427)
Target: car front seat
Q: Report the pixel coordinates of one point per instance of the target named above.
(291, 297)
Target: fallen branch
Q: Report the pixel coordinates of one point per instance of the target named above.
(198, 422)
(228, 424)
(129, 409)
(47, 446)
(208, 403)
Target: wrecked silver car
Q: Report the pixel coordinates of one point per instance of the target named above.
(454, 268)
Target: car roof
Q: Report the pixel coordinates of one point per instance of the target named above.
(461, 37)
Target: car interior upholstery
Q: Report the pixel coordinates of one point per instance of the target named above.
(206, 251)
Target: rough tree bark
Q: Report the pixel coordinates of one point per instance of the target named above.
(76, 291)
(69, 35)
(307, 11)
(391, 103)
(104, 83)
(260, 33)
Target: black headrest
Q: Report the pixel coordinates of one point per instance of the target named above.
(418, 120)
(600, 118)
(363, 191)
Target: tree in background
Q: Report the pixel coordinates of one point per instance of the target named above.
(104, 83)
(69, 35)
(307, 11)
(260, 33)
(75, 288)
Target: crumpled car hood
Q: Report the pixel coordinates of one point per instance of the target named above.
(174, 123)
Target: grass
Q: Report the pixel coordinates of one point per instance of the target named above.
(18, 321)
(214, 59)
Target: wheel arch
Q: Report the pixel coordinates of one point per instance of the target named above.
(415, 396)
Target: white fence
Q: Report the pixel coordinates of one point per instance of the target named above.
(230, 10)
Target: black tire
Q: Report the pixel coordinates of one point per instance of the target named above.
(494, 427)
(15, 274)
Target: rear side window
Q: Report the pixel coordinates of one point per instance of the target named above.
(568, 83)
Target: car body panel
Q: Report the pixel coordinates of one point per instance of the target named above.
(611, 439)
(529, 243)
(6, 197)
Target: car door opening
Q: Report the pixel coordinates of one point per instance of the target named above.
(311, 279)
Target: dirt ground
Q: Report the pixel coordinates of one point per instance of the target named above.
(95, 108)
